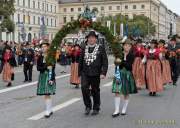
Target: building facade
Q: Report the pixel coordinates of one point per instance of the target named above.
(178, 25)
(30, 15)
(162, 18)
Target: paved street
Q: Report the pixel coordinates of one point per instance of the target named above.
(21, 108)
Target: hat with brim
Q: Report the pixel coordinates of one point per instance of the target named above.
(128, 41)
(44, 43)
(153, 41)
(162, 41)
(92, 33)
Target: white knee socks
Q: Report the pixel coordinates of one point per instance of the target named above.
(125, 106)
(117, 101)
(48, 106)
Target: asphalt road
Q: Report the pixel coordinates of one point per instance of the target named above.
(21, 108)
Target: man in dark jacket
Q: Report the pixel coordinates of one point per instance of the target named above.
(174, 59)
(28, 60)
(93, 66)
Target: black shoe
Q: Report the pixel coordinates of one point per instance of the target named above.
(115, 115)
(30, 81)
(150, 94)
(123, 114)
(48, 116)
(154, 94)
(25, 81)
(77, 86)
(95, 112)
(87, 111)
(9, 84)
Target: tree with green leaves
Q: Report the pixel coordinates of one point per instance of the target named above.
(6, 10)
(138, 26)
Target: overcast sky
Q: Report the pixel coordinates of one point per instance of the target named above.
(173, 5)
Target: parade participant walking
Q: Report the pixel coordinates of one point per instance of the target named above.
(74, 79)
(138, 68)
(153, 69)
(46, 82)
(28, 60)
(93, 65)
(9, 63)
(173, 59)
(63, 59)
(123, 83)
(166, 70)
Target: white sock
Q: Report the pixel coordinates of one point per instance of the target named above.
(48, 106)
(117, 101)
(125, 106)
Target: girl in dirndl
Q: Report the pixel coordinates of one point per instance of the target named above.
(123, 83)
(74, 79)
(138, 68)
(154, 69)
(9, 63)
(46, 83)
(166, 69)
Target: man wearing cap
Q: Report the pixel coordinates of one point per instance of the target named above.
(174, 58)
(93, 66)
(28, 61)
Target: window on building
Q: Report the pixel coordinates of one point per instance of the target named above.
(47, 7)
(47, 21)
(34, 20)
(72, 18)
(110, 7)
(51, 22)
(24, 19)
(29, 19)
(29, 3)
(134, 6)
(72, 9)
(118, 7)
(43, 6)
(34, 5)
(38, 20)
(38, 5)
(102, 8)
(55, 9)
(154, 8)
(143, 6)
(34, 35)
(65, 9)
(64, 19)
(19, 18)
(126, 6)
(79, 9)
(52, 36)
(17, 2)
(55, 23)
(23, 2)
(51, 8)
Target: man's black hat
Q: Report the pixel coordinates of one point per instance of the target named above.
(92, 33)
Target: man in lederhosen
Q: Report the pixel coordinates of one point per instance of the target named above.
(93, 66)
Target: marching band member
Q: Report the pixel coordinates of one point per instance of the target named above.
(123, 83)
(46, 82)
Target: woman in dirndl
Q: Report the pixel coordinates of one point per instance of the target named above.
(9, 63)
(123, 83)
(74, 79)
(154, 69)
(166, 69)
(138, 68)
(46, 83)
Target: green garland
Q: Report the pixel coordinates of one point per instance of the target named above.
(71, 26)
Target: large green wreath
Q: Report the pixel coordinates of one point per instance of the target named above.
(78, 24)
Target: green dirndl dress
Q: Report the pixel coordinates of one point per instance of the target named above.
(126, 85)
(44, 88)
